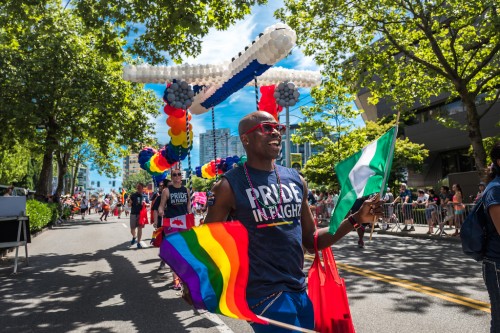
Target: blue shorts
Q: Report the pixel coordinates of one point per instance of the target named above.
(294, 308)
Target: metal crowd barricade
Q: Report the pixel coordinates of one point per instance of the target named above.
(442, 215)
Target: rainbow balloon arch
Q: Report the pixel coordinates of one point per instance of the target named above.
(198, 88)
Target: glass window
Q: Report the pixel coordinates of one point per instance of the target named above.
(455, 107)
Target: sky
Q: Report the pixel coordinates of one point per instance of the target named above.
(227, 114)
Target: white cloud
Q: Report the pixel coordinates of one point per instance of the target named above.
(303, 62)
(220, 46)
(242, 96)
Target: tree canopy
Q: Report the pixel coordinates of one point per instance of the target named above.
(329, 125)
(131, 181)
(60, 90)
(406, 51)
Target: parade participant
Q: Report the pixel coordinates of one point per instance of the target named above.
(135, 202)
(271, 202)
(175, 201)
(491, 262)
(105, 209)
(84, 206)
(157, 218)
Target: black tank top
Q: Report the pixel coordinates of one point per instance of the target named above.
(275, 245)
(177, 202)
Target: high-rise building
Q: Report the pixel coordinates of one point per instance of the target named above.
(235, 146)
(131, 165)
(207, 144)
(83, 177)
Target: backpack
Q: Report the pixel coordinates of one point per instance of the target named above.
(473, 232)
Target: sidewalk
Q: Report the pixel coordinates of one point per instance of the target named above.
(420, 232)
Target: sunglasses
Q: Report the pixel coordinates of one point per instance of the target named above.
(268, 128)
(176, 174)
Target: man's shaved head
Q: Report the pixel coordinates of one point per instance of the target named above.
(253, 119)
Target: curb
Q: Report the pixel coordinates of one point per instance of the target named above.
(421, 236)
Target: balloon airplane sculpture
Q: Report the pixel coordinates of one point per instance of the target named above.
(212, 84)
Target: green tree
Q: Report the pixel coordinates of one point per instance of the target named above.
(202, 184)
(320, 168)
(406, 51)
(57, 77)
(131, 181)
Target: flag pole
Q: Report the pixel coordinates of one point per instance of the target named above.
(285, 325)
(386, 173)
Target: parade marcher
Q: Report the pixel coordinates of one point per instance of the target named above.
(491, 262)
(84, 206)
(271, 202)
(105, 209)
(175, 201)
(157, 218)
(135, 202)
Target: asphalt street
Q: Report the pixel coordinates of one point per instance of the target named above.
(85, 277)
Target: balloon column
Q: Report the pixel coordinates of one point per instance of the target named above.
(207, 170)
(178, 97)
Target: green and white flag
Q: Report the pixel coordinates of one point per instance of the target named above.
(362, 174)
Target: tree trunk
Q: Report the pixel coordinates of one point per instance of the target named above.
(42, 186)
(474, 133)
(75, 175)
(62, 162)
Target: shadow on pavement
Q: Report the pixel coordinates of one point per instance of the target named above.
(431, 263)
(58, 294)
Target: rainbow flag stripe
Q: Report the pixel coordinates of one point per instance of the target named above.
(212, 260)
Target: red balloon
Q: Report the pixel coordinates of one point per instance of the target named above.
(171, 111)
(268, 102)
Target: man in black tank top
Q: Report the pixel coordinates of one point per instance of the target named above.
(175, 201)
(271, 202)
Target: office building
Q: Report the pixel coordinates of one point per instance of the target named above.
(222, 137)
(131, 165)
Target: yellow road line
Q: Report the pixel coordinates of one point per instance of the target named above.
(447, 296)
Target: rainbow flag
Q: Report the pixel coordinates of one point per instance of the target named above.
(212, 260)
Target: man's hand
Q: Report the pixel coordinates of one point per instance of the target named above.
(370, 210)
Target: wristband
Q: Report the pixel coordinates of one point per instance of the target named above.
(354, 223)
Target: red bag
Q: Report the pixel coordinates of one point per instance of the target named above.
(143, 216)
(328, 294)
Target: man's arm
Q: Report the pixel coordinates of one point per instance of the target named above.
(223, 203)
(370, 209)
(164, 197)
